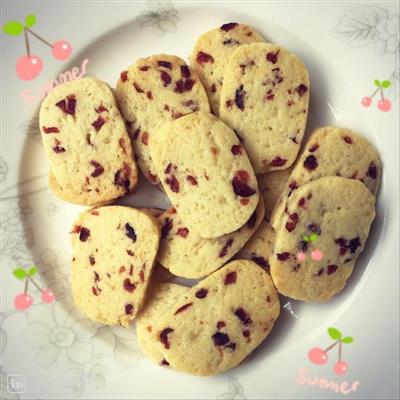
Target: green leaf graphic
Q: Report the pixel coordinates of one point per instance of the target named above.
(313, 237)
(386, 84)
(30, 20)
(305, 238)
(377, 83)
(335, 334)
(19, 273)
(32, 271)
(13, 28)
(347, 339)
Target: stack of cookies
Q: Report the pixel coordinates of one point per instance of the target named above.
(221, 137)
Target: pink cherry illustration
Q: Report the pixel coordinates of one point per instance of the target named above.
(23, 301)
(317, 255)
(318, 356)
(301, 256)
(29, 68)
(366, 101)
(341, 367)
(61, 50)
(48, 295)
(384, 105)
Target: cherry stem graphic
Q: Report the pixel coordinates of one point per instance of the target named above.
(26, 286)
(373, 94)
(28, 50)
(382, 94)
(37, 286)
(332, 346)
(39, 37)
(340, 351)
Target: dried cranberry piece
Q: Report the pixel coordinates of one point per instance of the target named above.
(57, 148)
(283, 256)
(173, 183)
(301, 89)
(192, 180)
(96, 277)
(124, 76)
(84, 234)
(243, 316)
(292, 222)
(220, 339)
(246, 333)
(50, 129)
(101, 108)
(354, 244)
(230, 25)
(229, 42)
(239, 98)
(240, 187)
(130, 232)
(314, 147)
(164, 337)
(130, 253)
(252, 220)
(331, 269)
(189, 84)
(165, 77)
(272, 57)
(183, 308)
(145, 138)
(269, 96)
(293, 185)
(62, 104)
(100, 121)
(348, 139)
(213, 88)
(314, 228)
(164, 362)
(203, 58)
(220, 324)
(94, 290)
(230, 278)
(185, 71)
(183, 232)
(236, 149)
(144, 67)
(310, 163)
(121, 180)
(261, 261)
(201, 293)
(137, 87)
(149, 95)
(224, 250)
(92, 260)
(372, 171)
(302, 202)
(165, 64)
(98, 169)
(71, 105)
(129, 286)
(179, 86)
(129, 309)
(167, 226)
(278, 162)
(341, 242)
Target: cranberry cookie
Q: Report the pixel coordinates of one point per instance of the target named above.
(151, 92)
(86, 143)
(264, 99)
(114, 249)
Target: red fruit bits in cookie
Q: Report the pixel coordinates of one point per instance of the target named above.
(129, 309)
(192, 180)
(165, 64)
(278, 161)
(242, 315)
(229, 26)
(130, 232)
(372, 171)
(239, 184)
(51, 129)
(331, 269)
(236, 149)
(165, 77)
(224, 250)
(203, 58)
(220, 339)
(240, 97)
(183, 232)
(128, 285)
(301, 89)
(283, 256)
(98, 169)
(310, 163)
(272, 57)
(201, 293)
(230, 278)
(84, 234)
(124, 76)
(164, 337)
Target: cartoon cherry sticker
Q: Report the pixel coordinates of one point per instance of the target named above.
(383, 104)
(23, 301)
(319, 356)
(29, 66)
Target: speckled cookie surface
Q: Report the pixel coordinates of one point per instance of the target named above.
(260, 246)
(188, 255)
(220, 321)
(114, 249)
(265, 99)
(86, 143)
(332, 151)
(160, 297)
(271, 185)
(320, 237)
(206, 174)
(211, 54)
(153, 91)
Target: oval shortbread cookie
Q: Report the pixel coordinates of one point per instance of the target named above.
(264, 99)
(153, 91)
(332, 151)
(320, 237)
(260, 246)
(114, 249)
(188, 255)
(220, 321)
(211, 54)
(86, 143)
(160, 297)
(271, 185)
(206, 174)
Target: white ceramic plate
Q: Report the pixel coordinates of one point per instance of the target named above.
(51, 351)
